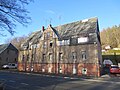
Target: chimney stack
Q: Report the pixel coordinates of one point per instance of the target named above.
(43, 28)
(50, 25)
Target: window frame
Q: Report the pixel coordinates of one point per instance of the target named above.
(48, 35)
(50, 57)
(84, 55)
(43, 58)
(83, 40)
(45, 45)
(51, 44)
(60, 56)
(74, 55)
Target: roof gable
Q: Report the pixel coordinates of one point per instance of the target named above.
(5, 46)
(54, 31)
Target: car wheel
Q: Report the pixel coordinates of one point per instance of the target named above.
(7, 67)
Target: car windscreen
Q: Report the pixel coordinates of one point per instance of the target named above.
(114, 67)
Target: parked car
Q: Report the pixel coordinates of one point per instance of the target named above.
(10, 66)
(114, 69)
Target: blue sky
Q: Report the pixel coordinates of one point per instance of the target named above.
(56, 12)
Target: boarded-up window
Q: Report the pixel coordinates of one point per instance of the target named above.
(82, 39)
(84, 55)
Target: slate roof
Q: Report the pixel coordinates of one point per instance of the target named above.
(33, 38)
(5, 46)
(82, 27)
(78, 28)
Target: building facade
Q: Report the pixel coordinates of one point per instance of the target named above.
(70, 49)
(8, 54)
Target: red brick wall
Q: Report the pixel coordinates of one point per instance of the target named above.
(91, 69)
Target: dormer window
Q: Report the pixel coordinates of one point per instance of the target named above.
(73, 41)
(66, 42)
(82, 39)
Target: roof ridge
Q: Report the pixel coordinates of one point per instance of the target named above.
(77, 21)
(4, 47)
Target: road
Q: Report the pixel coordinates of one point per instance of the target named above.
(22, 81)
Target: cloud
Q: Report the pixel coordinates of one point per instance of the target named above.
(50, 11)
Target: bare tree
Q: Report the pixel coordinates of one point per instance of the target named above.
(11, 12)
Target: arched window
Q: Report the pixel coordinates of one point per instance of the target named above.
(84, 55)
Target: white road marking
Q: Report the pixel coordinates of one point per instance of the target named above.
(66, 77)
(24, 83)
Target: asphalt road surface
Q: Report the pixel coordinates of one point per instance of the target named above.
(21, 81)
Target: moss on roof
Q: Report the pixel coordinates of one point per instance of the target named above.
(81, 27)
(77, 28)
(33, 38)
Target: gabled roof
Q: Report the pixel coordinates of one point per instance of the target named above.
(82, 27)
(5, 46)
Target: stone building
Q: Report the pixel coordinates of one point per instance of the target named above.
(70, 49)
(8, 54)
